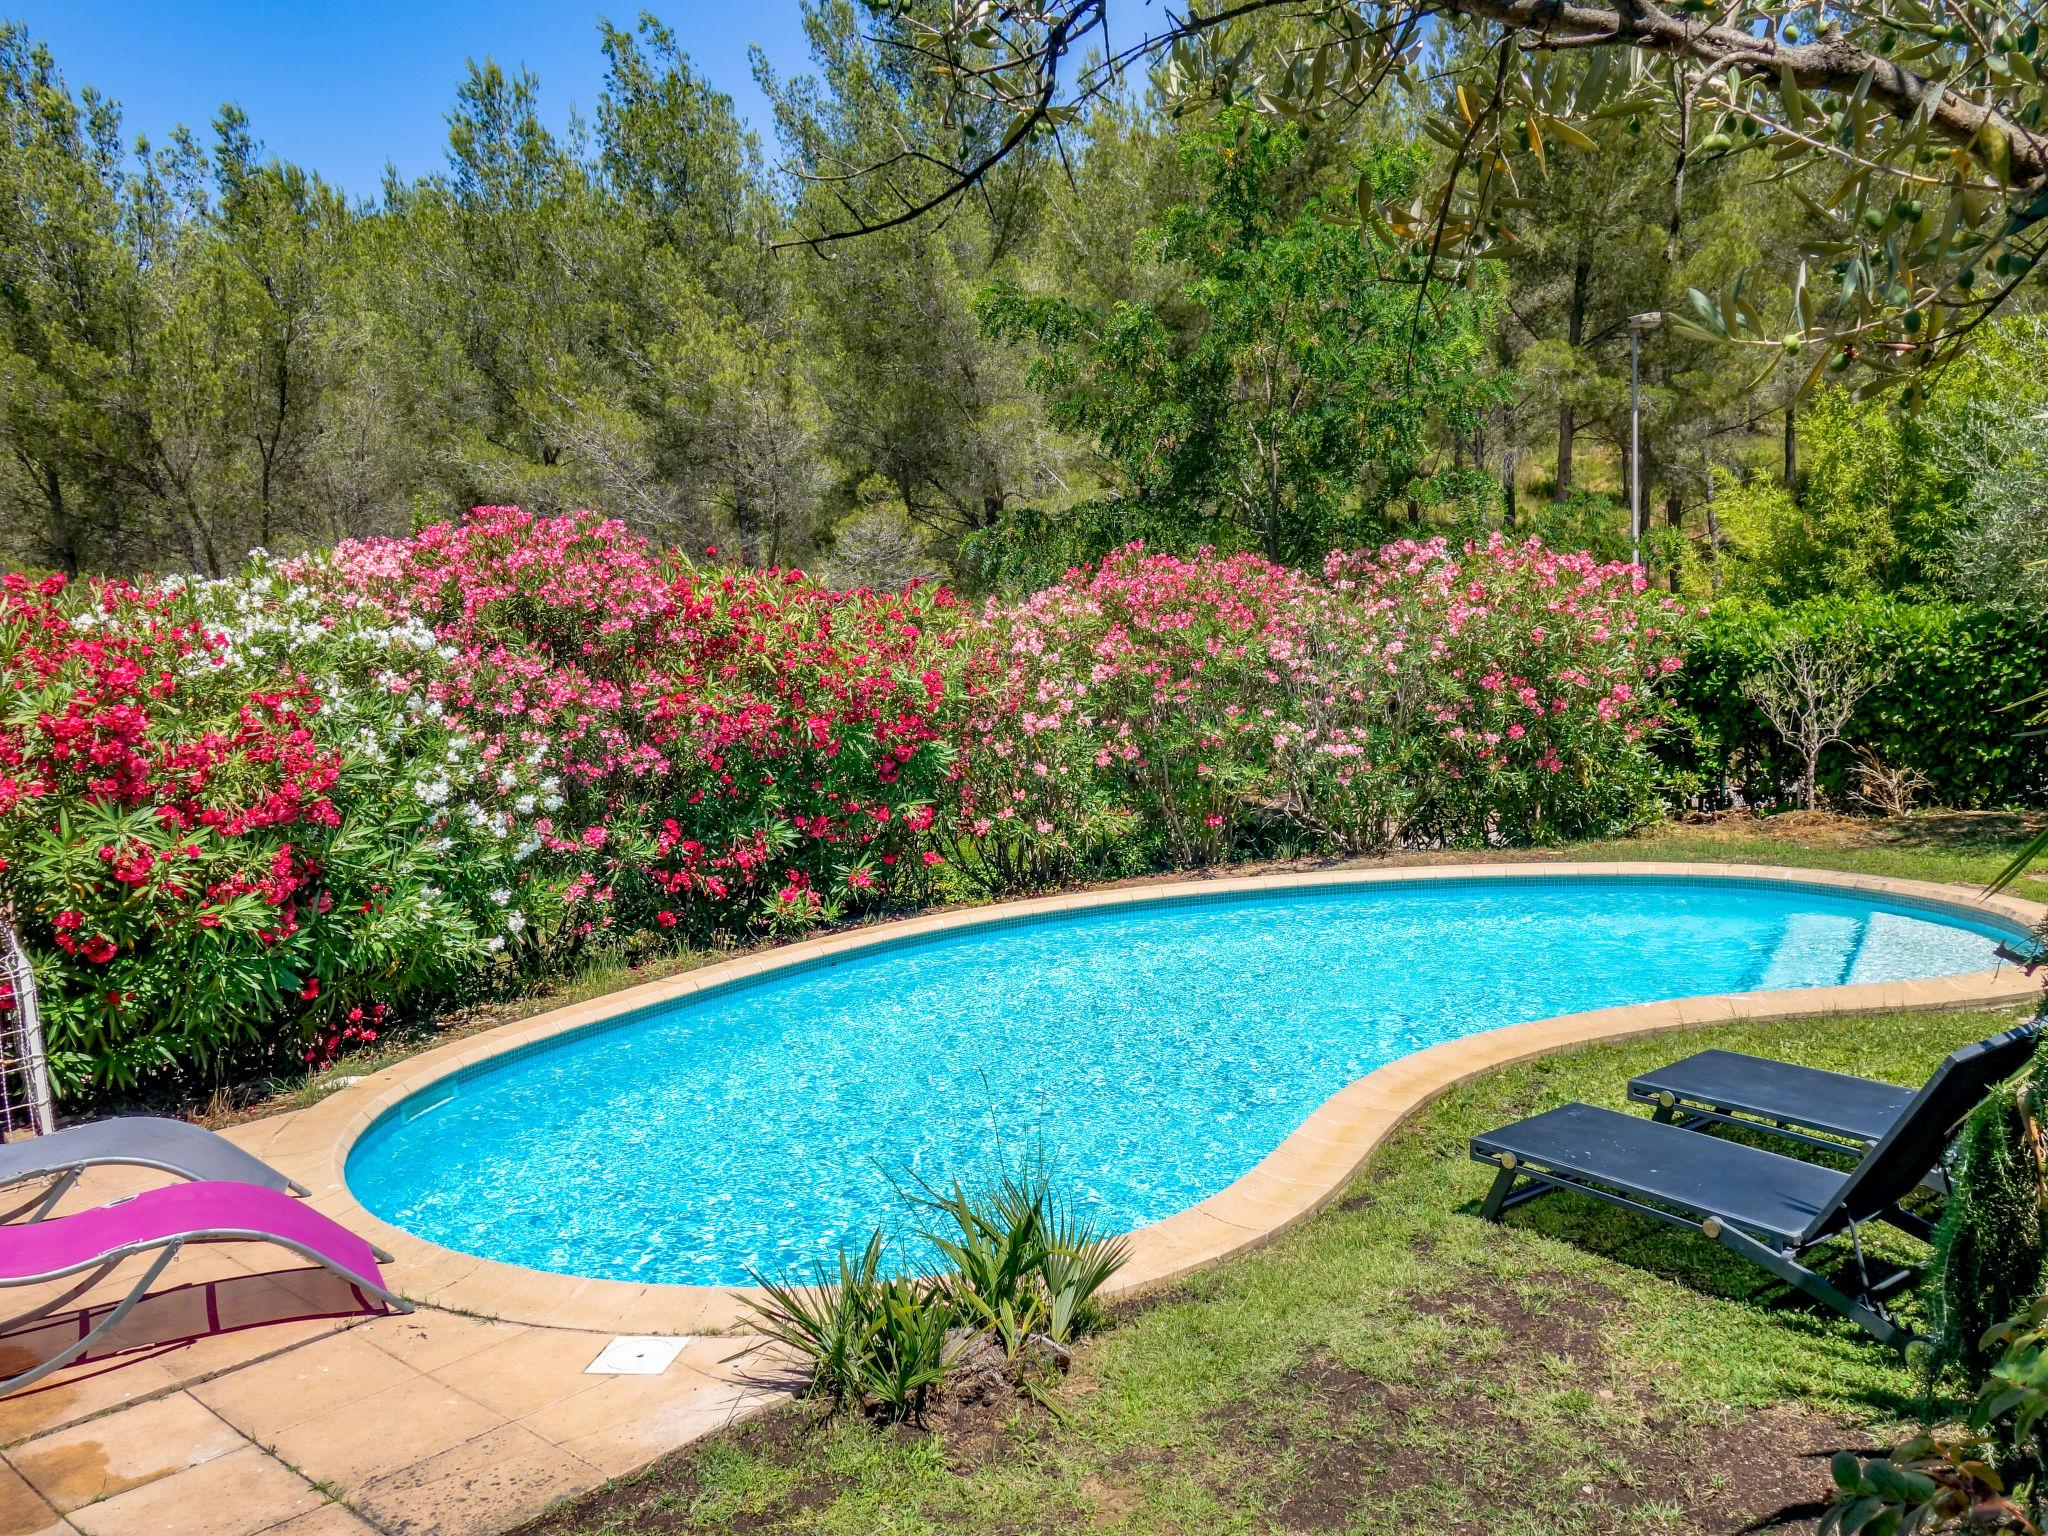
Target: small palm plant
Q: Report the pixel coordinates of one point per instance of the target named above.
(1024, 1264)
(1024, 1260)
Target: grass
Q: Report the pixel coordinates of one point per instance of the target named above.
(1394, 1365)
(1962, 848)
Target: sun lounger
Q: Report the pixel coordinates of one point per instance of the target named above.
(176, 1147)
(1800, 1104)
(1769, 1208)
(159, 1223)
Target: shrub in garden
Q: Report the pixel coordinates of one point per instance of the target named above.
(702, 751)
(243, 819)
(1951, 708)
(1989, 1247)
(194, 846)
(1494, 693)
(1025, 1267)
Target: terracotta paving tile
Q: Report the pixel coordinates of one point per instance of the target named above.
(271, 1396)
(203, 1359)
(233, 1495)
(328, 1520)
(76, 1393)
(746, 1361)
(626, 1421)
(349, 1445)
(426, 1340)
(476, 1489)
(109, 1455)
(627, 1445)
(527, 1370)
(23, 1511)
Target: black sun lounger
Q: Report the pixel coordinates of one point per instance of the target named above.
(1801, 1104)
(176, 1147)
(1768, 1208)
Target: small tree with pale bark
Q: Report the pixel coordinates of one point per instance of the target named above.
(1808, 689)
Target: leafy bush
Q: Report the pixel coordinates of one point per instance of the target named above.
(193, 850)
(866, 1336)
(1024, 1261)
(1950, 708)
(1870, 513)
(1989, 1243)
(241, 820)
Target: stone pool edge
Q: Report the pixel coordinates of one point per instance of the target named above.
(1308, 1170)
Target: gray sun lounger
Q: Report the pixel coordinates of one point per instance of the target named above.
(1769, 1208)
(1800, 1104)
(176, 1147)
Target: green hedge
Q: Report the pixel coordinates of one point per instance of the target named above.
(1955, 707)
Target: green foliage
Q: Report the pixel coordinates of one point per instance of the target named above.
(1989, 429)
(1928, 1484)
(866, 1336)
(1871, 512)
(1290, 405)
(1024, 1265)
(1989, 1244)
(1984, 1475)
(1952, 706)
(1024, 1259)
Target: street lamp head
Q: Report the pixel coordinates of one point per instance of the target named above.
(1646, 322)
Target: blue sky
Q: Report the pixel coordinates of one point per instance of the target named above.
(343, 86)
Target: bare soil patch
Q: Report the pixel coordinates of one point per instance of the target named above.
(1368, 1442)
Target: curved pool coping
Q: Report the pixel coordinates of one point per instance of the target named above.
(1296, 1179)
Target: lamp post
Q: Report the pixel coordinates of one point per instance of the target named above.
(1637, 324)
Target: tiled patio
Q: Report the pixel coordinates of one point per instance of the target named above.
(252, 1395)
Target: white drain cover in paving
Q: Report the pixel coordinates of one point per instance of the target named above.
(629, 1355)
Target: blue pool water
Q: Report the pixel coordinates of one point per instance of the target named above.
(1148, 1054)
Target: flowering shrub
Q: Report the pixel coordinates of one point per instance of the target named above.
(244, 820)
(191, 851)
(636, 743)
(1500, 693)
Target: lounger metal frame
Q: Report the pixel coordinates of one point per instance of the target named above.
(1863, 1305)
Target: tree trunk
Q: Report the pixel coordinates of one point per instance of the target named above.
(1510, 465)
(1674, 519)
(1567, 420)
(1713, 534)
(1791, 444)
(63, 532)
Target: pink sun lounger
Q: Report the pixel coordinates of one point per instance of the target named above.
(163, 1221)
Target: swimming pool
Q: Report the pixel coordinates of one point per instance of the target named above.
(1150, 1053)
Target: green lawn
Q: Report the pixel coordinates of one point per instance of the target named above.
(1397, 1365)
(1965, 848)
